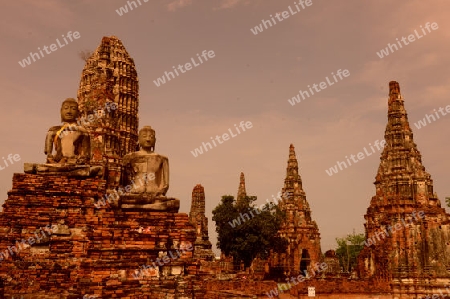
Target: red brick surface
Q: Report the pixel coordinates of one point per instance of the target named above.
(102, 250)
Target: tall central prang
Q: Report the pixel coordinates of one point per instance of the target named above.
(108, 98)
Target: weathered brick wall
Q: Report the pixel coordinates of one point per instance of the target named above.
(94, 251)
(219, 289)
(325, 288)
(341, 286)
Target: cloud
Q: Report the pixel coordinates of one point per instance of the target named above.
(228, 4)
(178, 4)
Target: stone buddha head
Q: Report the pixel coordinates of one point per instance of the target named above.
(147, 138)
(69, 110)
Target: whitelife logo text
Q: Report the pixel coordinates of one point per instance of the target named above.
(187, 67)
(225, 137)
(284, 15)
(52, 47)
(411, 38)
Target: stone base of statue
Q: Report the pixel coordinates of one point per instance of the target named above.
(58, 230)
(72, 170)
(149, 202)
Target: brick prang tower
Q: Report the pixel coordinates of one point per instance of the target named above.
(301, 232)
(409, 251)
(109, 88)
(197, 217)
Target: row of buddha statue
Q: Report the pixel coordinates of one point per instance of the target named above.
(67, 147)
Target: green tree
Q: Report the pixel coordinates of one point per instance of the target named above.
(349, 249)
(447, 200)
(245, 231)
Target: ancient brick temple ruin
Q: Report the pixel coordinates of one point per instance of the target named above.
(242, 192)
(60, 237)
(89, 251)
(407, 230)
(299, 229)
(109, 93)
(84, 227)
(110, 76)
(198, 219)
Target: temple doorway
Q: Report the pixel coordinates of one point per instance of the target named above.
(305, 261)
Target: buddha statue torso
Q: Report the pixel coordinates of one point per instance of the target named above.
(145, 170)
(71, 141)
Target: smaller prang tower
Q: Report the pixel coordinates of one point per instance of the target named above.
(301, 232)
(242, 193)
(197, 218)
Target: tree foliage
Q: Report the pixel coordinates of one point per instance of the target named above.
(349, 249)
(245, 231)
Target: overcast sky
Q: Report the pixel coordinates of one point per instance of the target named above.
(250, 78)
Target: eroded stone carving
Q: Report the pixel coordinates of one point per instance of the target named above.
(70, 141)
(147, 171)
(146, 174)
(67, 147)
